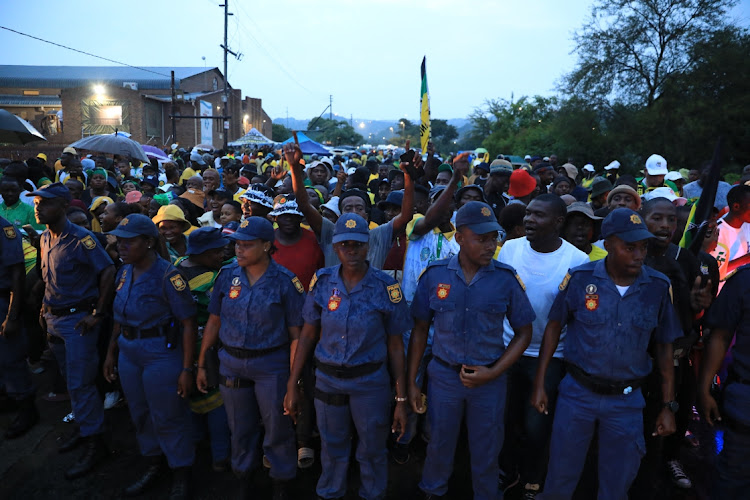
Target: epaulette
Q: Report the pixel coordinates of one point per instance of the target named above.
(746, 267)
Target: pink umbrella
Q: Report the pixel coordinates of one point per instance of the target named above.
(154, 152)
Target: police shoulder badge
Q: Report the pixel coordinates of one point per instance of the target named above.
(394, 293)
(564, 283)
(443, 291)
(10, 232)
(177, 282)
(312, 282)
(298, 285)
(520, 282)
(89, 242)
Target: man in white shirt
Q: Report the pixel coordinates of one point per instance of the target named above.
(542, 260)
(733, 245)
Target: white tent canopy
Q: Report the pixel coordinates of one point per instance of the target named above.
(252, 138)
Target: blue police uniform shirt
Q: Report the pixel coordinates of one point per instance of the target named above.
(71, 264)
(354, 324)
(158, 295)
(11, 253)
(608, 334)
(731, 312)
(257, 316)
(468, 319)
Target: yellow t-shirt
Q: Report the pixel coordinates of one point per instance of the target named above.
(597, 253)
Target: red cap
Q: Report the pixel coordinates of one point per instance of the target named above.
(521, 183)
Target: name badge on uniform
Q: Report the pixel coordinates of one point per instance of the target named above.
(334, 300)
(234, 291)
(592, 302)
(443, 291)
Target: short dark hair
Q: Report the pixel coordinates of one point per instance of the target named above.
(356, 192)
(234, 204)
(559, 208)
(737, 194)
(511, 216)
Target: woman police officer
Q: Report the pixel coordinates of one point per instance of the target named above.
(152, 304)
(255, 311)
(355, 316)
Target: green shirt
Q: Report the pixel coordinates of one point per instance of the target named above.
(20, 214)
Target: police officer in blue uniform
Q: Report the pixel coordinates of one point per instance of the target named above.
(467, 296)
(152, 305)
(255, 312)
(613, 309)
(730, 315)
(14, 373)
(78, 276)
(355, 317)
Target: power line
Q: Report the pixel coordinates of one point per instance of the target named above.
(82, 52)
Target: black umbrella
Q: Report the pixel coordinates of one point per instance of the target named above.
(15, 130)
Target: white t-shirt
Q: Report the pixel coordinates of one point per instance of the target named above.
(732, 244)
(423, 250)
(542, 274)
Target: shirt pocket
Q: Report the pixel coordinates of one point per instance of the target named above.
(643, 325)
(444, 314)
(598, 335)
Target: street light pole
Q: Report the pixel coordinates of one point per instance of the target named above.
(225, 98)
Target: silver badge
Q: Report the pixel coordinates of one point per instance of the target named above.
(236, 281)
(591, 289)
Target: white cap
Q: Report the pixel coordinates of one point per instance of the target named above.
(527, 157)
(333, 205)
(613, 166)
(674, 176)
(351, 170)
(665, 192)
(656, 165)
(588, 167)
(546, 158)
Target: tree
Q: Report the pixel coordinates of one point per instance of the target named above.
(405, 129)
(443, 135)
(335, 132)
(279, 133)
(629, 50)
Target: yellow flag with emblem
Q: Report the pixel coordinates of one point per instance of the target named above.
(424, 115)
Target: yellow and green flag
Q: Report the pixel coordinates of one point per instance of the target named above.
(424, 115)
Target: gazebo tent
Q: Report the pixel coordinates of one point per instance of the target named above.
(252, 138)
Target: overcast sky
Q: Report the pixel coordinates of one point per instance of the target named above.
(366, 53)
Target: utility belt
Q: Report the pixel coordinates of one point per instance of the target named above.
(239, 353)
(455, 368)
(332, 399)
(236, 382)
(348, 371)
(132, 333)
(87, 306)
(605, 387)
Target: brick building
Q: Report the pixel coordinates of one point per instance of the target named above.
(66, 103)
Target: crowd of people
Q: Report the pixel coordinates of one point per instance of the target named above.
(253, 298)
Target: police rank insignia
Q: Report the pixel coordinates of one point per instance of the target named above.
(298, 285)
(89, 242)
(590, 289)
(177, 282)
(312, 282)
(592, 302)
(564, 283)
(122, 280)
(443, 291)
(10, 232)
(394, 293)
(635, 219)
(234, 291)
(334, 300)
(520, 282)
(351, 224)
(485, 211)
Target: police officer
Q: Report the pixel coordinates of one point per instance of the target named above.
(730, 315)
(78, 276)
(613, 309)
(355, 317)
(14, 373)
(255, 312)
(467, 296)
(155, 362)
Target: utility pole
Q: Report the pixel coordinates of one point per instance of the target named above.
(225, 98)
(174, 122)
(330, 107)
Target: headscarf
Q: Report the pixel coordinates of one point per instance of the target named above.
(98, 201)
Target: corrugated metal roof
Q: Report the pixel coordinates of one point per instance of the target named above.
(186, 97)
(77, 76)
(29, 100)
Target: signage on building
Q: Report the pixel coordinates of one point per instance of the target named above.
(206, 125)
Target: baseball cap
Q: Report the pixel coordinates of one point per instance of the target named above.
(527, 157)
(521, 183)
(135, 225)
(254, 228)
(54, 190)
(665, 192)
(435, 191)
(196, 157)
(589, 167)
(42, 156)
(151, 180)
(582, 208)
(656, 165)
(133, 197)
(501, 167)
(351, 227)
(478, 217)
(674, 176)
(230, 228)
(393, 198)
(204, 239)
(483, 165)
(70, 150)
(614, 165)
(624, 188)
(626, 224)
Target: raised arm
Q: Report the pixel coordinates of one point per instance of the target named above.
(293, 155)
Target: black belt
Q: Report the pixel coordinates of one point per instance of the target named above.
(240, 353)
(455, 368)
(735, 425)
(603, 386)
(348, 371)
(332, 399)
(235, 382)
(83, 306)
(132, 333)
